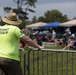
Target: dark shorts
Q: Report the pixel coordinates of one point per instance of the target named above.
(10, 67)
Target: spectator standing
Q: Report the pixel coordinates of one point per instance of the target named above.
(10, 35)
(53, 35)
(68, 34)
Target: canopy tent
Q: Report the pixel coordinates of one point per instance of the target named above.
(36, 25)
(51, 25)
(55, 26)
(69, 23)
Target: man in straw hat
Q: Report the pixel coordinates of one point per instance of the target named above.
(10, 35)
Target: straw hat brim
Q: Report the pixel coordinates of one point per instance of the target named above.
(17, 22)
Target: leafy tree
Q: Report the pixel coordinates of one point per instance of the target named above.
(41, 19)
(34, 19)
(74, 18)
(21, 11)
(52, 16)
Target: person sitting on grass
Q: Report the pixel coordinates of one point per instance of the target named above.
(71, 44)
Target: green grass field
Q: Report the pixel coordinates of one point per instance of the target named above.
(58, 63)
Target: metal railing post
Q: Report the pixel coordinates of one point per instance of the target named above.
(21, 49)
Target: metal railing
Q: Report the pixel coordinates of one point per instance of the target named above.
(51, 62)
(23, 60)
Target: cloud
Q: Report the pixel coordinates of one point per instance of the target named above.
(4, 3)
(67, 8)
(54, 1)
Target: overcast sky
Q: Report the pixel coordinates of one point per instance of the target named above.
(67, 7)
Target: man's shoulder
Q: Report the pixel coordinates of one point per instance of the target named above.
(13, 27)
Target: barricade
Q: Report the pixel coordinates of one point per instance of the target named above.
(51, 62)
(23, 60)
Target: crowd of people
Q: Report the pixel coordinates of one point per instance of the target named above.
(60, 39)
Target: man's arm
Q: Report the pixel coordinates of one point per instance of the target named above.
(30, 42)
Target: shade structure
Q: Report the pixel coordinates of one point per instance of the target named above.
(69, 23)
(36, 25)
(51, 25)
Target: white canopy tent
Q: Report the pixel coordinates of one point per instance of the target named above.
(69, 23)
(36, 25)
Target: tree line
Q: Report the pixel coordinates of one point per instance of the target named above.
(22, 13)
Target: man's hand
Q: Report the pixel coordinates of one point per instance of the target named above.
(40, 47)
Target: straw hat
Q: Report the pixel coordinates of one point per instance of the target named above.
(12, 19)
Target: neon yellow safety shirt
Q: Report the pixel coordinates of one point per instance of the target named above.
(9, 41)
